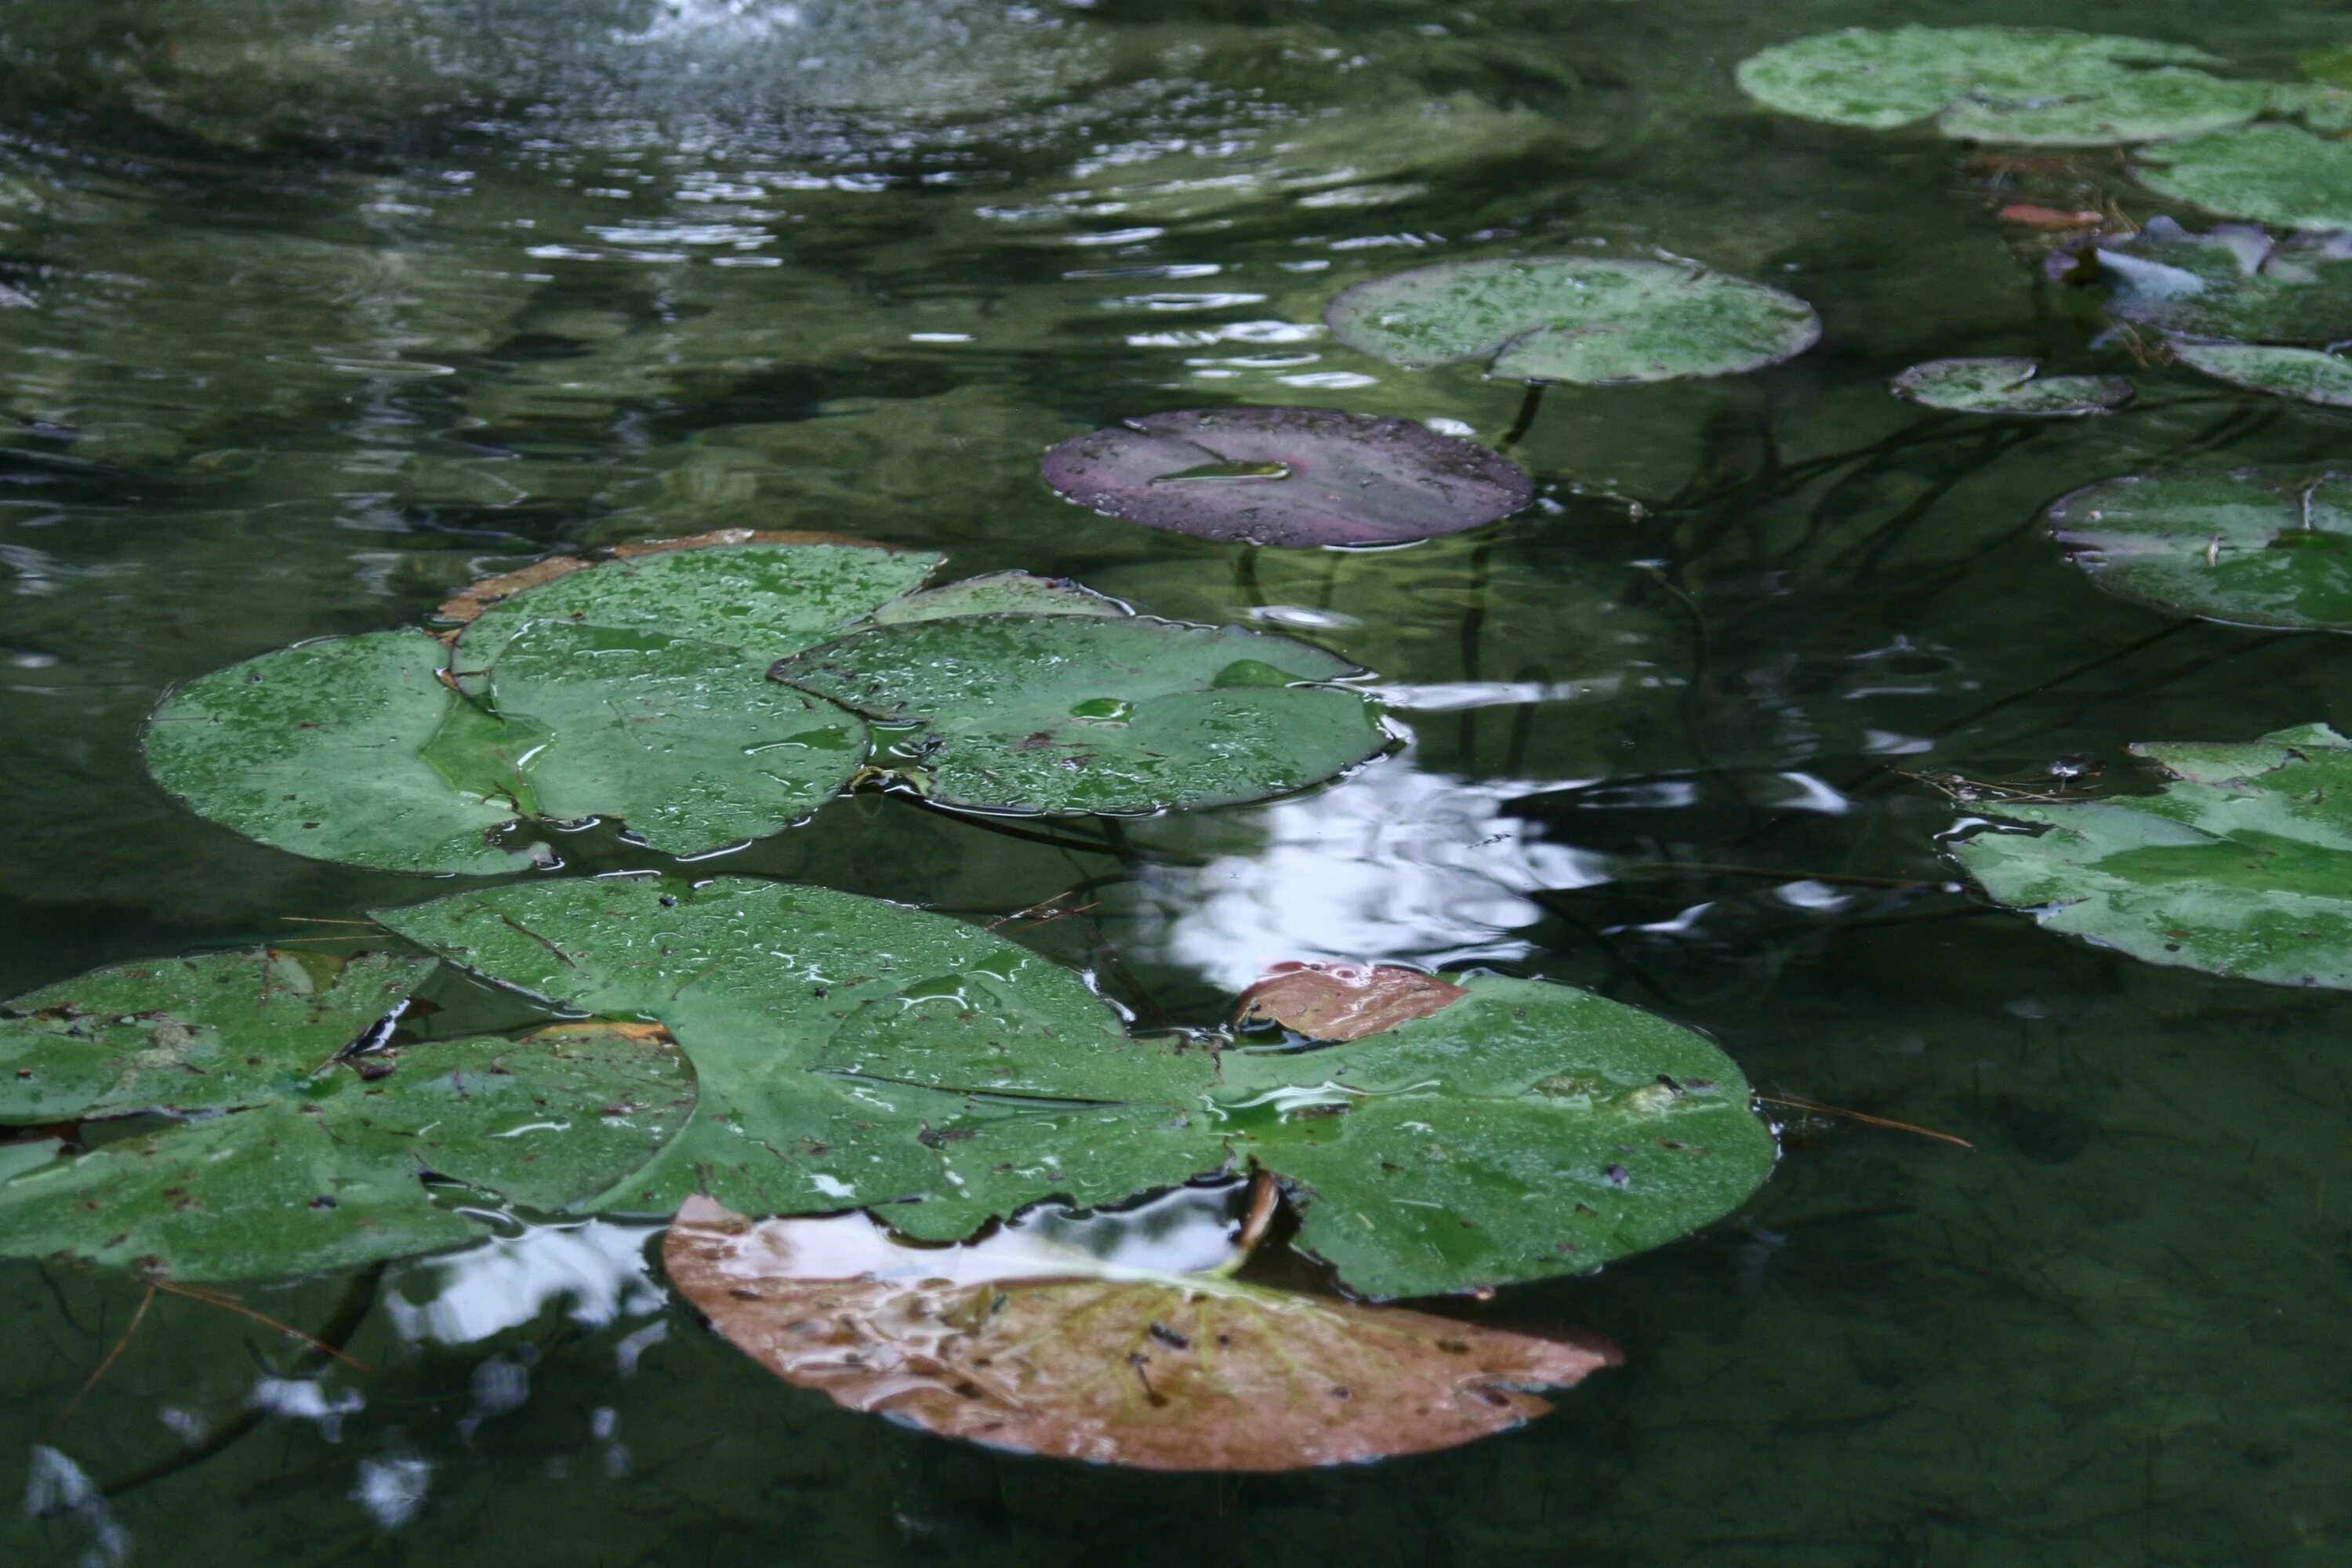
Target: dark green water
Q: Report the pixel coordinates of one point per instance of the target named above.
(314, 309)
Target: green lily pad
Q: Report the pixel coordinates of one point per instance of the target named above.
(2242, 866)
(999, 593)
(853, 1053)
(329, 1172)
(1067, 713)
(2274, 173)
(2234, 283)
(2308, 375)
(1584, 319)
(212, 1033)
(2239, 547)
(2036, 85)
(322, 749)
(2011, 386)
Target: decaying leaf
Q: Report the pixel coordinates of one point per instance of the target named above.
(1344, 1001)
(1057, 1354)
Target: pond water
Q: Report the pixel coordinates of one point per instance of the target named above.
(315, 310)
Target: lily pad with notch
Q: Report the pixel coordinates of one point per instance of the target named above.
(1594, 320)
(2037, 85)
(2011, 386)
(1019, 1343)
(2307, 375)
(1295, 476)
(1065, 714)
(2241, 547)
(2241, 865)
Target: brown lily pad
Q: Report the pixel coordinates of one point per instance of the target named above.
(1295, 476)
(1055, 1353)
(1344, 1001)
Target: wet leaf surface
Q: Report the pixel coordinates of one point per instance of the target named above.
(1297, 477)
(998, 594)
(1343, 1001)
(2011, 386)
(2273, 173)
(2242, 866)
(329, 1171)
(210, 1033)
(2240, 547)
(2032, 85)
(1037, 1352)
(2234, 282)
(1580, 319)
(2307, 375)
(1066, 713)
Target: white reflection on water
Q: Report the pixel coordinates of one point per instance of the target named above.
(1394, 863)
(597, 1270)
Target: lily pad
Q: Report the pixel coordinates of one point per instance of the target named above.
(1045, 1350)
(2242, 866)
(329, 1172)
(2234, 283)
(999, 593)
(2240, 547)
(2035, 85)
(2274, 173)
(1581, 319)
(1343, 1001)
(211, 1033)
(2308, 375)
(2011, 386)
(856, 1054)
(1067, 713)
(1298, 477)
(322, 749)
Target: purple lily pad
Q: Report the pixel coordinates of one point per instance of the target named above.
(1295, 476)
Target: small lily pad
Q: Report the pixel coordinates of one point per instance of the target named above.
(1584, 319)
(2240, 547)
(211, 1033)
(2270, 172)
(1019, 1344)
(1068, 713)
(2234, 283)
(2011, 386)
(2242, 866)
(2034, 85)
(322, 749)
(2308, 375)
(1298, 477)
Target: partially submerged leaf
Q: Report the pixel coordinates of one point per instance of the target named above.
(1584, 318)
(1067, 713)
(1343, 1001)
(212, 1033)
(2240, 547)
(321, 749)
(330, 1172)
(1058, 1356)
(2308, 375)
(2234, 283)
(2270, 172)
(2034, 85)
(2010, 386)
(1298, 477)
(2242, 866)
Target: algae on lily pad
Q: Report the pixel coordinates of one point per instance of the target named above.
(2240, 547)
(2242, 866)
(1019, 1343)
(2234, 282)
(2012, 386)
(1585, 319)
(2273, 173)
(1071, 713)
(324, 749)
(2307, 375)
(1298, 477)
(2043, 86)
